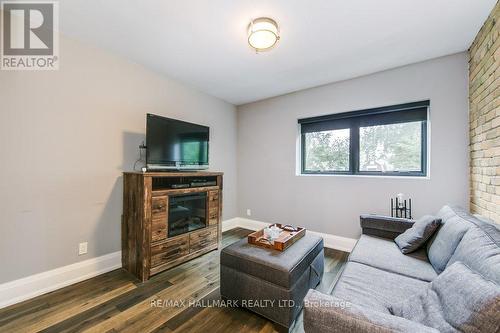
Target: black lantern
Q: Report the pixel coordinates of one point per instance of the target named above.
(402, 208)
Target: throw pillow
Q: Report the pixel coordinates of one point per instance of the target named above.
(458, 300)
(418, 234)
(455, 223)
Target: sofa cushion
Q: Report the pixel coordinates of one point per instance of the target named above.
(458, 300)
(480, 250)
(385, 254)
(327, 314)
(418, 234)
(454, 224)
(281, 268)
(375, 288)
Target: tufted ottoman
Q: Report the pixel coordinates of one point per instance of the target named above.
(269, 282)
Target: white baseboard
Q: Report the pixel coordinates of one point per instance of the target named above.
(330, 241)
(28, 287)
(337, 242)
(240, 222)
(16, 291)
(230, 224)
(19, 290)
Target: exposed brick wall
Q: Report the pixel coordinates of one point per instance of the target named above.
(484, 99)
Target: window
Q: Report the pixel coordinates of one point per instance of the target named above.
(383, 141)
(327, 150)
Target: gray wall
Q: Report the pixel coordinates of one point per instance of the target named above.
(267, 135)
(65, 138)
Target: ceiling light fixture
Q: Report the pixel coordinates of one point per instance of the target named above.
(263, 34)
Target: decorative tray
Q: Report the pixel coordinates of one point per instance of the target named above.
(282, 242)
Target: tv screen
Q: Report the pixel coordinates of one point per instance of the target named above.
(175, 144)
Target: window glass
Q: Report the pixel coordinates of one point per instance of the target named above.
(389, 140)
(393, 147)
(327, 150)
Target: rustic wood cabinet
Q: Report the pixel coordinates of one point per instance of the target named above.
(169, 218)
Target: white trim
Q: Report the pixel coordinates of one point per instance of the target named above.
(336, 242)
(19, 290)
(330, 241)
(230, 224)
(38, 284)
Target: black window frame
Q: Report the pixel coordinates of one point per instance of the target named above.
(401, 113)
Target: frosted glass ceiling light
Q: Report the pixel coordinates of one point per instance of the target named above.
(263, 34)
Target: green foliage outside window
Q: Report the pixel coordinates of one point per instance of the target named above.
(382, 148)
(394, 147)
(327, 150)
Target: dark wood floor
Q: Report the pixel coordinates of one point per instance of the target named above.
(116, 302)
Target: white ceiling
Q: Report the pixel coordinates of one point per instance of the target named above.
(204, 44)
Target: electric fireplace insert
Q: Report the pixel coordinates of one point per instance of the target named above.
(186, 213)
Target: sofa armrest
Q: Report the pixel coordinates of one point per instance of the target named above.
(325, 313)
(384, 226)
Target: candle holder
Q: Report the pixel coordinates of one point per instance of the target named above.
(401, 209)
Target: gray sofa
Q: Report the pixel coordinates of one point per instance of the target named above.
(377, 275)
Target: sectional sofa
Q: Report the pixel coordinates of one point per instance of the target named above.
(377, 275)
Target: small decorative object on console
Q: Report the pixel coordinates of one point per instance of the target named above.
(401, 209)
(284, 238)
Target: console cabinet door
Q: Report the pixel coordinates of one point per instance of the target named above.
(159, 216)
(213, 195)
(213, 207)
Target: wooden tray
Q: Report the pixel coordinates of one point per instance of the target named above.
(285, 239)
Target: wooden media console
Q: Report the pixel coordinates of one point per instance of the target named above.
(169, 218)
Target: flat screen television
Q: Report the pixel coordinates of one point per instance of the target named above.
(174, 144)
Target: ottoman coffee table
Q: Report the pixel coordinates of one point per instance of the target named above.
(271, 283)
